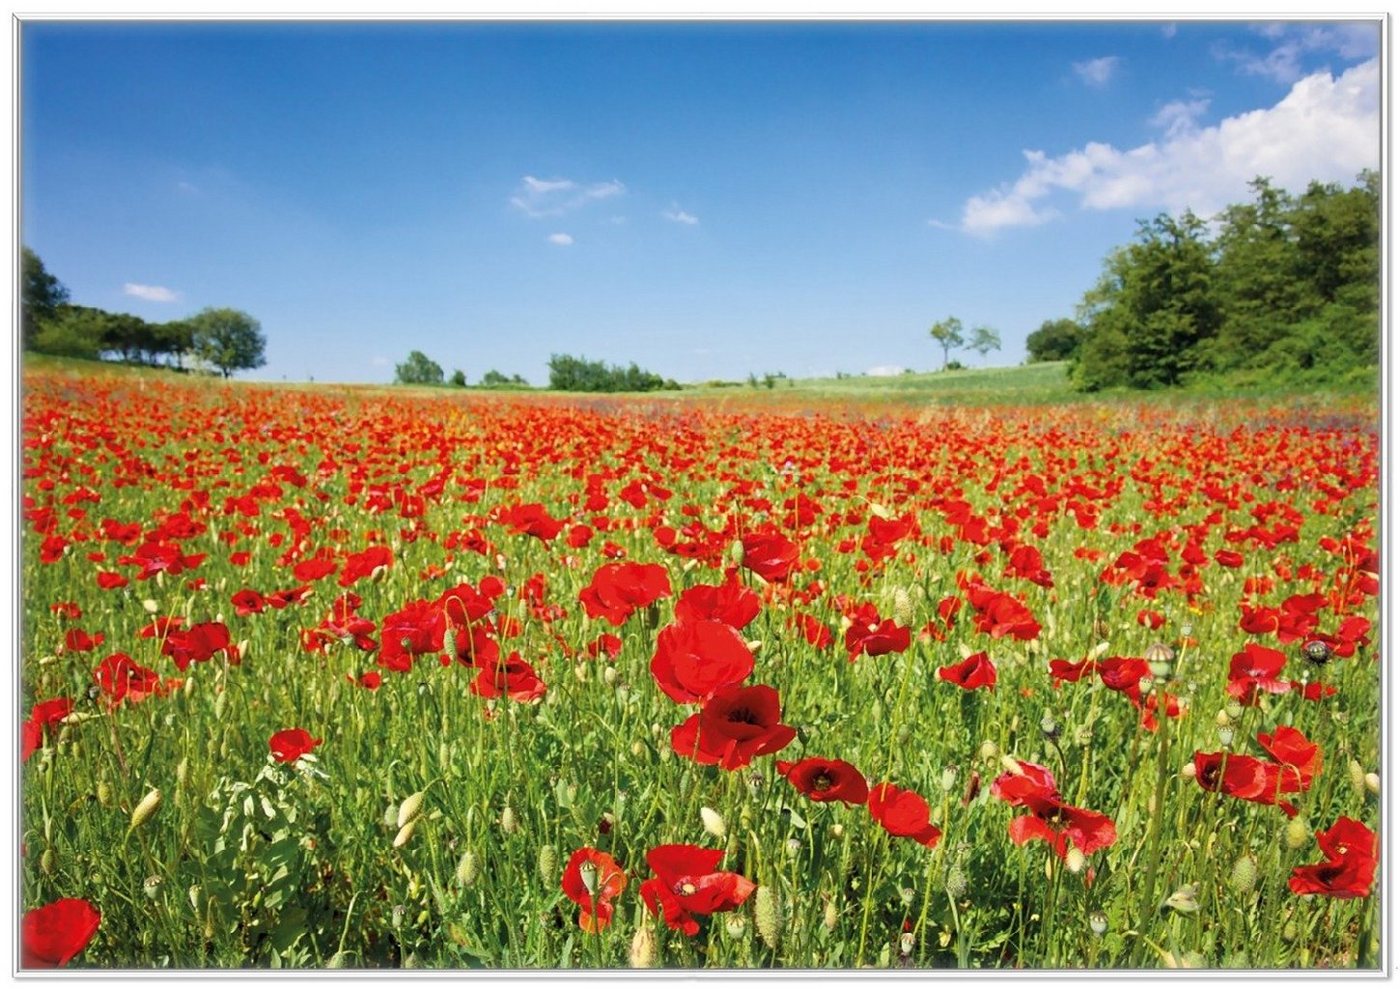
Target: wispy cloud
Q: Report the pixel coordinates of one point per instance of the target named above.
(563, 240)
(1097, 71)
(555, 197)
(1325, 128)
(677, 215)
(1169, 31)
(1296, 46)
(151, 293)
(885, 371)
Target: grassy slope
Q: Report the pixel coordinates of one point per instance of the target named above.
(1034, 384)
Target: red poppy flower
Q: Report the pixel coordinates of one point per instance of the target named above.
(735, 725)
(76, 640)
(686, 886)
(1033, 786)
(1301, 760)
(903, 813)
(876, 639)
(415, 629)
(730, 602)
(248, 602)
(620, 589)
(370, 680)
(121, 678)
(51, 936)
(1065, 671)
(592, 879)
(770, 555)
(512, 677)
(826, 779)
(695, 659)
(1350, 868)
(975, 671)
(197, 644)
(291, 744)
(358, 566)
(1256, 669)
(531, 520)
(41, 716)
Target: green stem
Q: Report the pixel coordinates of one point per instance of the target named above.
(1154, 854)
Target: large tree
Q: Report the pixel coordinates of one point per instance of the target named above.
(40, 295)
(418, 369)
(227, 339)
(1056, 340)
(948, 334)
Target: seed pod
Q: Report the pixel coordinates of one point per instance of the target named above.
(767, 918)
(409, 809)
(548, 865)
(46, 862)
(792, 848)
(1244, 874)
(104, 793)
(151, 887)
(736, 926)
(1226, 736)
(1074, 861)
(467, 868)
(610, 675)
(830, 917)
(1297, 833)
(508, 822)
(713, 822)
(148, 805)
(1098, 922)
(643, 952)
(405, 833)
(988, 750)
(1373, 783)
(906, 896)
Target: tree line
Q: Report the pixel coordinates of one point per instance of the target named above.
(224, 339)
(1285, 284)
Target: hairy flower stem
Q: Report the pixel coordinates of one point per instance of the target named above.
(1154, 839)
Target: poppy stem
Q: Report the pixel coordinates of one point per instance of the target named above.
(1154, 854)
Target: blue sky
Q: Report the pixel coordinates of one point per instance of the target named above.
(707, 199)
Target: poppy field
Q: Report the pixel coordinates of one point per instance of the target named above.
(332, 679)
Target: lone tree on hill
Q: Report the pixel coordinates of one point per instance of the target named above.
(418, 369)
(948, 334)
(984, 339)
(228, 339)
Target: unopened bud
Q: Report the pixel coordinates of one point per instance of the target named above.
(830, 917)
(988, 750)
(409, 809)
(1074, 861)
(643, 952)
(713, 822)
(1244, 874)
(955, 882)
(467, 868)
(903, 610)
(767, 918)
(405, 833)
(145, 809)
(1297, 833)
(1357, 777)
(508, 822)
(1373, 783)
(548, 865)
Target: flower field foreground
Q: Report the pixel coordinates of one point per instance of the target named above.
(314, 679)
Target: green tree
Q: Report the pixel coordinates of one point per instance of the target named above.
(41, 294)
(948, 334)
(458, 379)
(175, 339)
(984, 340)
(227, 339)
(72, 331)
(418, 369)
(1056, 340)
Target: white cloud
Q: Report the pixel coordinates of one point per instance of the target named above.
(885, 371)
(677, 215)
(1326, 128)
(563, 240)
(1169, 31)
(1296, 44)
(1097, 71)
(151, 293)
(555, 197)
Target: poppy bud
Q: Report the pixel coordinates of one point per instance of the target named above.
(1373, 783)
(736, 552)
(46, 862)
(1074, 860)
(148, 805)
(508, 822)
(549, 865)
(903, 610)
(196, 896)
(150, 605)
(182, 771)
(1098, 923)
(1050, 728)
(830, 916)
(409, 809)
(736, 926)
(955, 882)
(610, 675)
(1357, 777)
(1222, 719)
(988, 750)
(643, 953)
(1244, 874)
(1184, 899)
(466, 872)
(220, 705)
(1012, 766)
(104, 793)
(405, 833)
(837, 830)
(1297, 833)
(713, 822)
(767, 918)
